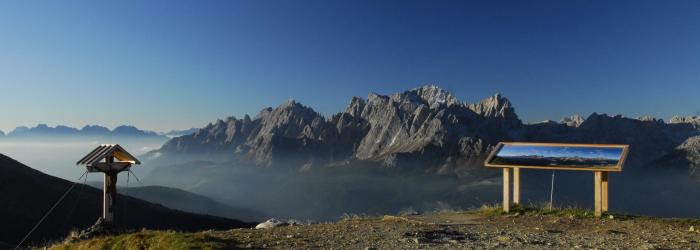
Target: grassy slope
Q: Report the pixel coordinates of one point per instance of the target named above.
(147, 239)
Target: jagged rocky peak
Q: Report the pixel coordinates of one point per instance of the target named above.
(291, 106)
(692, 120)
(685, 119)
(572, 121)
(432, 96)
(290, 119)
(356, 106)
(495, 106)
(648, 118)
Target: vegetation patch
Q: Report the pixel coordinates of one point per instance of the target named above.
(534, 209)
(148, 239)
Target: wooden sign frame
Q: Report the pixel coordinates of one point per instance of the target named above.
(617, 168)
(601, 183)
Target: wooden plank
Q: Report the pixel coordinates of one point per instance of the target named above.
(114, 166)
(604, 191)
(506, 190)
(558, 168)
(598, 193)
(516, 186)
(594, 145)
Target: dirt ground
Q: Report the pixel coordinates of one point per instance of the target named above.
(465, 230)
(445, 230)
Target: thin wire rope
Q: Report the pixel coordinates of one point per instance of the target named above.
(137, 178)
(77, 200)
(49, 212)
(126, 198)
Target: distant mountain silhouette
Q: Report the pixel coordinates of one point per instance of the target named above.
(178, 133)
(43, 130)
(425, 128)
(28, 194)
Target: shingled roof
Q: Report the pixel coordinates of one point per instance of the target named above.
(106, 150)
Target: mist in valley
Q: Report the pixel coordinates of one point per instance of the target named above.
(365, 188)
(57, 155)
(356, 188)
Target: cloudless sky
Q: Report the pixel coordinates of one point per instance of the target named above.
(169, 64)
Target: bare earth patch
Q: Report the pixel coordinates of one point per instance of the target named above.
(467, 230)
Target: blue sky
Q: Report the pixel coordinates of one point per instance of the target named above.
(519, 150)
(172, 64)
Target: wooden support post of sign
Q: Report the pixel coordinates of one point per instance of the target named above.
(598, 193)
(506, 190)
(604, 192)
(110, 193)
(516, 186)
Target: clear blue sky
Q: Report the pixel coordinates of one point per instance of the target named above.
(164, 65)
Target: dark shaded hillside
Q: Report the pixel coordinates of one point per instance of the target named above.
(28, 194)
(191, 202)
(179, 199)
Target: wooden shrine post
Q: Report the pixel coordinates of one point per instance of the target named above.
(109, 193)
(109, 159)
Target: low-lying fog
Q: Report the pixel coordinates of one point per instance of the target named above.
(57, 156)
(327, 194)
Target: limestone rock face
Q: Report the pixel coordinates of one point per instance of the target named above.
(692, 120)
(425, 128)
(572, 121)
(690, 150)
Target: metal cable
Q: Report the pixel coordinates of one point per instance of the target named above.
(49, 212)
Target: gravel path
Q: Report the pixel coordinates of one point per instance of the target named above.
(475, 231)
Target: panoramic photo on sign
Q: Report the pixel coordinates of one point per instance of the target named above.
(559, 156)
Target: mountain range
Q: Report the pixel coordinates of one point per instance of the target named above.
(43, 130)
(426, 128)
